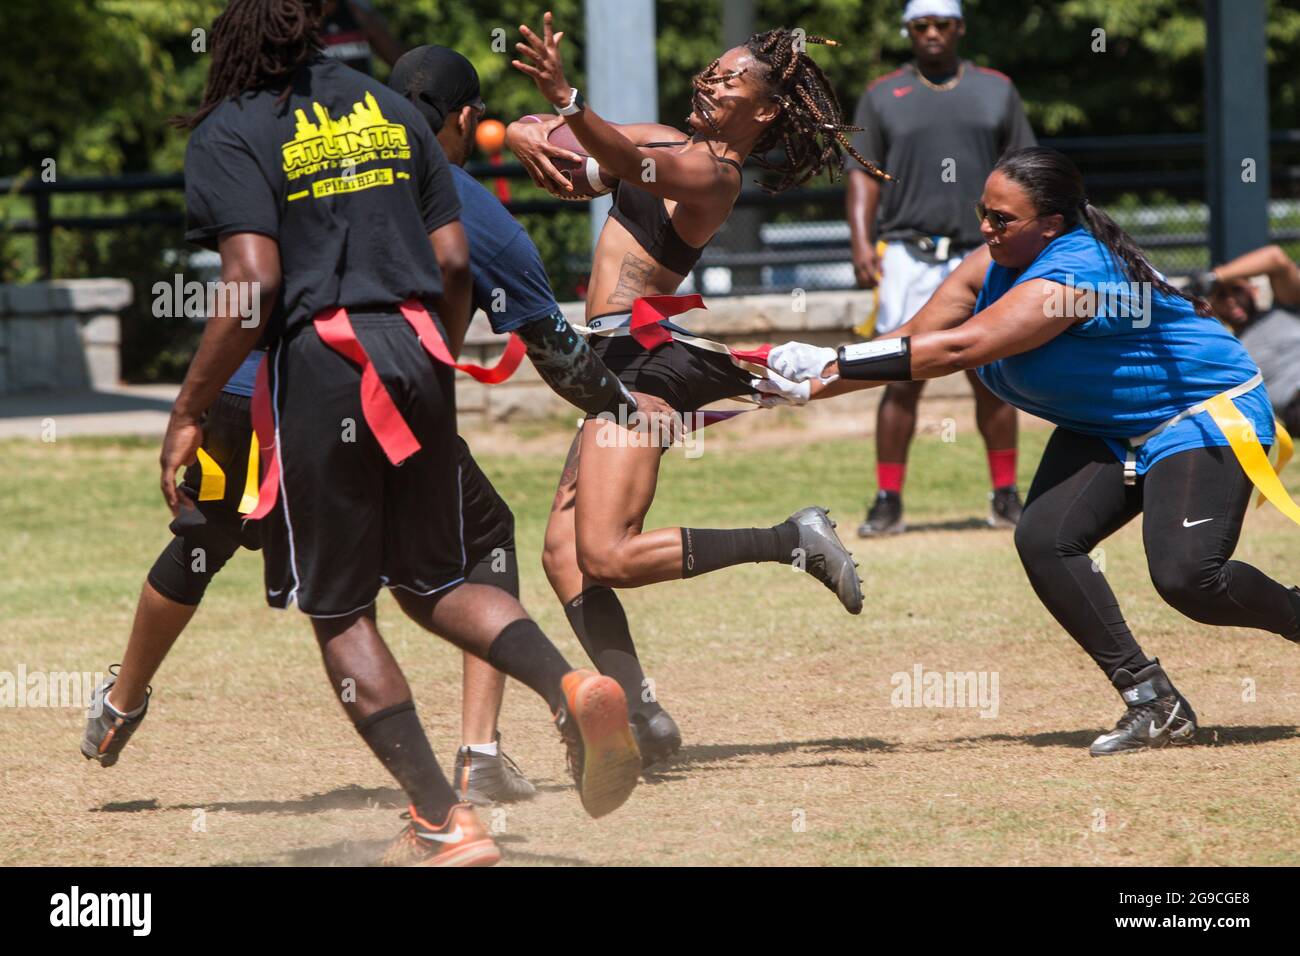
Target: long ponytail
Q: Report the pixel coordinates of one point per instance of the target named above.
(1055, 186)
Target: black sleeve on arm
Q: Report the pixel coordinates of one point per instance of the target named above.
(439, 201)
(226, 190)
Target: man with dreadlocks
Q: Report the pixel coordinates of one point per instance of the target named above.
(941, 123)
(327, 193)
(767, 98)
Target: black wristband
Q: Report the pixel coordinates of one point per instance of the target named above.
(884, 360)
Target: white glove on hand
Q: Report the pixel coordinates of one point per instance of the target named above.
(799, 361)
(777, 392)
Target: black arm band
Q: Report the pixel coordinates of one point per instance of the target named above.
(884, 360)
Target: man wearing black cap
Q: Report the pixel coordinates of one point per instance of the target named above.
(512, 288)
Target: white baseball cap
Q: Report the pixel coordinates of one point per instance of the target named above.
(932, 8)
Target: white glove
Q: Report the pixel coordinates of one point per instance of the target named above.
(777, 392)
(799, 361)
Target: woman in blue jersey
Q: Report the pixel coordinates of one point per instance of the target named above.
(1064, 317)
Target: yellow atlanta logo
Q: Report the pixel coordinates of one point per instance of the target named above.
(363, 135)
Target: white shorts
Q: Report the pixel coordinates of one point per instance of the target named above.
(906, 284)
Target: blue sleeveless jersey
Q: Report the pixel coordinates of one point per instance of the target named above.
(1127, 369)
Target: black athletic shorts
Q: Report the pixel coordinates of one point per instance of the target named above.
(347, 521)
(218, 485)
(686, 378)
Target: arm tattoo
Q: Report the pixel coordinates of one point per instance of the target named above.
(632, 279)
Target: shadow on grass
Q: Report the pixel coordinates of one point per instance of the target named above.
(1205, 736)
(350, 797)
(952, 524)
(700, 754)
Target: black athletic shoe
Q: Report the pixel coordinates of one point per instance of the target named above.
(656, 736)
(826, 558)
(484, 779)
(1294, 636)
(107, 731)
(1004, 507)
(1157, 714)
(884, 517)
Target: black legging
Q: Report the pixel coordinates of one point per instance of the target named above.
(1192, 504)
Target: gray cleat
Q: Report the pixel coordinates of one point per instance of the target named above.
(826, 558)
(107, 731)
(1157, 714)
(483, 780)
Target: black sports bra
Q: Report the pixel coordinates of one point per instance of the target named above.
(646, 218)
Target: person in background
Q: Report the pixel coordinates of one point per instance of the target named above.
(352, 31)
(1272, 338)
(939, 123)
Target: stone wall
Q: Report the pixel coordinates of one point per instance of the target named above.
(62, 335)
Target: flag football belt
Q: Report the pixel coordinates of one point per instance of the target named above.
(1243, 441)
(381, 413)
(649, 323)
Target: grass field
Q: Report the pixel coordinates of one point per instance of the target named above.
(794, 752)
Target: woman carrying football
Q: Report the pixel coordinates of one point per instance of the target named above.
(675, 191)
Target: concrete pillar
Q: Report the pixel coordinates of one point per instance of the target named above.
(622, 78)
(1236, 114)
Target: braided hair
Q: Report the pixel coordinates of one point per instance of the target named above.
(809, 133)
(257, 44)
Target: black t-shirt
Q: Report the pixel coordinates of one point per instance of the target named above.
(941, 145)
(345, 175)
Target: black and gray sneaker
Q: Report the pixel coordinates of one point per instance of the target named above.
(826, 558)
(1157, 714)
(485, 779)
(884, 517)
(1004, 507)
(107, 731)
(657, 737)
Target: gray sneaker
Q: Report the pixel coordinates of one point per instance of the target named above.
(1157, 714)
(826, 558)
(483, 780)
(107, 731)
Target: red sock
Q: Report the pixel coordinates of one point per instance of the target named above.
(889, 475)
(1002, 467)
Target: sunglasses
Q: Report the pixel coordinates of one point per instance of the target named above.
(920, 27)
(997, 221)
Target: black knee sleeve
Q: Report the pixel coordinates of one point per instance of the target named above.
(567, 364)
(187, 565)
(499, 568)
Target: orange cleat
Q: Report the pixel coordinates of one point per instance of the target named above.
(602, 753)
(460, 841)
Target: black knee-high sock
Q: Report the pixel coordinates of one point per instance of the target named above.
(398, 740)
(523, 652)
(598, 619)
(705, 550)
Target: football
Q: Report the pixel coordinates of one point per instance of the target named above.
(588, 179)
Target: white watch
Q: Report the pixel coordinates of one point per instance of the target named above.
(575, 105)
